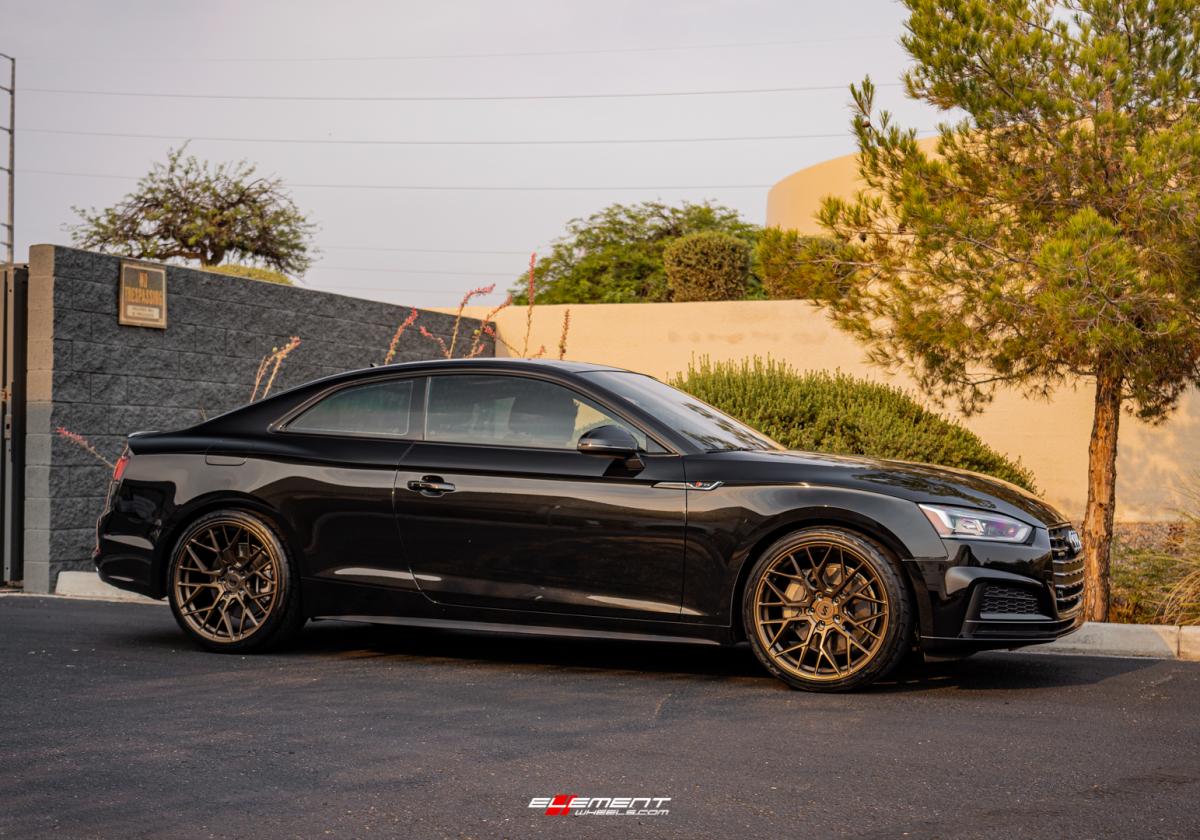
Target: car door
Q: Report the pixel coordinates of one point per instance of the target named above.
(497, 508)
(332, 470)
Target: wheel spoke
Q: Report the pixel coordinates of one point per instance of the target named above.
(819, 570)
(200, 566)
(822, 653)
(775, 589)
(787, 622)
(860, 624)
(199, 587)
(860, 597)
(258, 551)
(846, 580)
(853, 641)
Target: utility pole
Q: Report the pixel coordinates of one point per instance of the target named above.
(11, 128)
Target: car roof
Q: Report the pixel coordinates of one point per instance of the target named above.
(435, 365)
(500, 362)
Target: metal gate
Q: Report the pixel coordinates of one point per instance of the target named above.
(12, 465)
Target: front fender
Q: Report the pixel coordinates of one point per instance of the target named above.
(728, 527)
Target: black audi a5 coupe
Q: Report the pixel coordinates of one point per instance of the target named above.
(575, 499)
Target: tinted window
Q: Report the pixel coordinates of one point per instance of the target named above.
(707, 427)
(380, 408)
(511, 411)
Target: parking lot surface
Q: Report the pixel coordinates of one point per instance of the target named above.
(114, 726)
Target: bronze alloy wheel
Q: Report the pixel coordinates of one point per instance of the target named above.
(826, 609)
(228, 580)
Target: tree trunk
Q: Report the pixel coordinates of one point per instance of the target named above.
(1102, 494)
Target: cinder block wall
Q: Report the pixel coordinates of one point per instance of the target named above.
(88, 374)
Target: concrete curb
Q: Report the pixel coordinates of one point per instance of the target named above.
(89, 585)
(1154, 641)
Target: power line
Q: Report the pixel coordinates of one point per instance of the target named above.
(408, 291)
(448, 56)
(516, 272)
(332, 142)
(394, 289)
(443, 188)
(421, 250)
(503, 98)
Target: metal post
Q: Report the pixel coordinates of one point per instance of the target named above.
(12, 400)
(12, 153)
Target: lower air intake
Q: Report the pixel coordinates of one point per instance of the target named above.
(1008, 600)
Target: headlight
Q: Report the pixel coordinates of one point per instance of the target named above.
(966, 524)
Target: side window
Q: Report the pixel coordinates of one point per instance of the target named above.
(511, 411)
(381, 408)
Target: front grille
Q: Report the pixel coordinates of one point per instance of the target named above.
(1008, 600)
(1068, 571)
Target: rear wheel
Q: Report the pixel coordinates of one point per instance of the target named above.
(826, 610)
(232, 586)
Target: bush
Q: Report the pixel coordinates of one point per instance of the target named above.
(836, 413)
(1140, 580)
(1156, 580)
(709, 265)
(251, 272)
(616, 254)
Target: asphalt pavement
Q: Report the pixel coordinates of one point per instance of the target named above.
(113, 726)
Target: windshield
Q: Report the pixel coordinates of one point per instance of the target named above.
(705, 426)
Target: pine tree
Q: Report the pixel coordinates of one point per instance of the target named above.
(1055, 233)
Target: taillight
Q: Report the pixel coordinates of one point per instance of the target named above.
(119, 467)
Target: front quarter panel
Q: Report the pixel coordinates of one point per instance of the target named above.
(730, 525)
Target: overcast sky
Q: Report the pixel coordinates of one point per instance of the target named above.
(442, 49)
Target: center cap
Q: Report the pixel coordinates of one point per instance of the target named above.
(824, 609)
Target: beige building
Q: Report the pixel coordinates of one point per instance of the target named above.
(1050, 437)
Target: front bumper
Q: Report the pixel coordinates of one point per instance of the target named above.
(995, 595)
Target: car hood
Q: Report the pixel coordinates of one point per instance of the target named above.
(903, 479)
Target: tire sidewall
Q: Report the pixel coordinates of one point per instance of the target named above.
(286, 603)
(897, 637)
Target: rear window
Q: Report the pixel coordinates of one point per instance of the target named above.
(380, 409)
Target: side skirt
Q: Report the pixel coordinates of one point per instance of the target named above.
(524, 629)
(332, 600)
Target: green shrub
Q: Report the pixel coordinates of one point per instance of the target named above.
(836, 413)
(251, 272)
(1156, 567)
(1140, 580)
(709, 265)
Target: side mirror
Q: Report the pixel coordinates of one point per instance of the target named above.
(612, 441)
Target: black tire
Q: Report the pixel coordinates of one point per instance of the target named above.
(804, 610)
(234, 565)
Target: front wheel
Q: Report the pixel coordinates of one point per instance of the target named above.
(232, 586)
(826, 610)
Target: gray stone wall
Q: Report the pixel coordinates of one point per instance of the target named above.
(96, 378)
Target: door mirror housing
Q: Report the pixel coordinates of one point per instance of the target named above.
(609, 440)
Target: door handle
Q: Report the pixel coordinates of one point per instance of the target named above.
(431, 485)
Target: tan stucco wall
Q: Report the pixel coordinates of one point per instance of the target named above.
(1051, 438)
(794, 201)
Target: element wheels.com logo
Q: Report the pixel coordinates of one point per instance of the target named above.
(569, 804)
